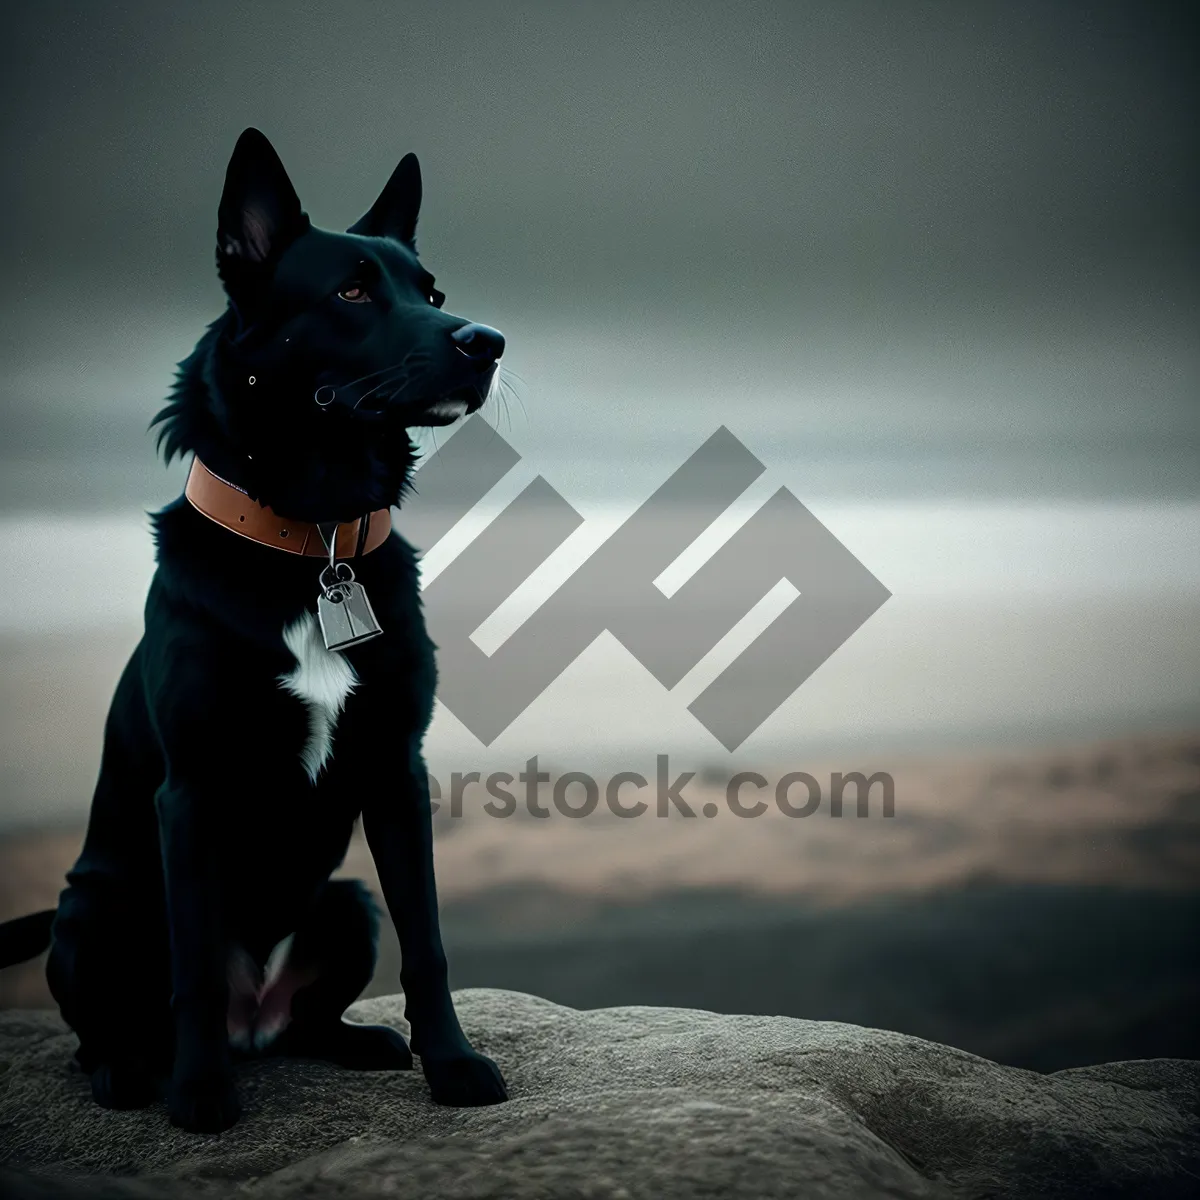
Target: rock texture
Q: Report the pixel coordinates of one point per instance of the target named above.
(625, 1102)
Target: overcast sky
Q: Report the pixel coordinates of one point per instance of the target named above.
(930, 236)
(935, 264)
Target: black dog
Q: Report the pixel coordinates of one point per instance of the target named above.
(200, 920)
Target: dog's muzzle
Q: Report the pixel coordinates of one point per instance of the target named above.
(466, 388)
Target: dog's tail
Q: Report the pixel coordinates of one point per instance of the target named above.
(26, 937)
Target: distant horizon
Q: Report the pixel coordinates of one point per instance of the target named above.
(1009, 626)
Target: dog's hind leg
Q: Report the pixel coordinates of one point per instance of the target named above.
(111, 979)
(109, 965)
(330, 961)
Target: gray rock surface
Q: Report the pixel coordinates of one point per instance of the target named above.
(623, 1102)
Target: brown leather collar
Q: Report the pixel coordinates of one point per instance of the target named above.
(228, 505)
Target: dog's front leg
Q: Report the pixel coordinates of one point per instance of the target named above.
(201, 1096)
(399, 828)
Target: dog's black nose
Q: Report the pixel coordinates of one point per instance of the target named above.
(480, 342)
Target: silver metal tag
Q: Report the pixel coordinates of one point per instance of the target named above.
(345, 614)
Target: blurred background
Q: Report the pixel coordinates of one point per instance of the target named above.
(933, 264)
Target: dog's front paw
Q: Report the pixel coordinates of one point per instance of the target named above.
(466, 1079)
(204, 1103)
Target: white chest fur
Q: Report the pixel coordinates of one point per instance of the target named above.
(322, 679)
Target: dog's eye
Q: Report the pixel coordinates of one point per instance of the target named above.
(436, 298)
(354, 293)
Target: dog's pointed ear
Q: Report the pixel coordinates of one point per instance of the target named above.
(394, 214)
(259, 215)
